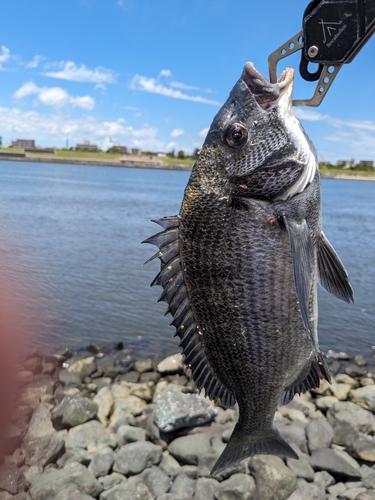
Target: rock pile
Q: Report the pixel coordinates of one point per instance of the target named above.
(103, 427)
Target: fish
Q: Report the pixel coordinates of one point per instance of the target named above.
(241, 261)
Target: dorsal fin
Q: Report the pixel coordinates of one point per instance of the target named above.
(175, 294)
(332, 273)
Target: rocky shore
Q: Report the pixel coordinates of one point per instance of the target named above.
(100, 426)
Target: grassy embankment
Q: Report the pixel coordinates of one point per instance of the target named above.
(335, 170)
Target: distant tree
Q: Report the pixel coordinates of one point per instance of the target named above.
(196, 153)
(171, 153)
(181, 154)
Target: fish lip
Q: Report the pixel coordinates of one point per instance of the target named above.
(266, 94)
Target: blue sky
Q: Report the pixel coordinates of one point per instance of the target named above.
(152, 74)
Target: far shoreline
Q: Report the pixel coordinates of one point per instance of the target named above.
(131, 162)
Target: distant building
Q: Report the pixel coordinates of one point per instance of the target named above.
(345, 163)
(366, 163)
(134, 151)
(23, 143)
(86, 146)
(119, 148)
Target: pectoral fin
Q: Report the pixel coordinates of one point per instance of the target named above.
(303, 264)
(332, 273)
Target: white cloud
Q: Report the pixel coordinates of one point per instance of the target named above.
(165, 72)
(35, 62)
(54, 96)
(54, 128)
(203, 132)
(69, 71)
(154, 86)
(177, 132)
(4, 56)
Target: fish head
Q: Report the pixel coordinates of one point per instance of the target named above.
(256, 129)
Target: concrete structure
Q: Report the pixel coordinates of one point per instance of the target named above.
(23, 143)
(366, 163)
(86, 146)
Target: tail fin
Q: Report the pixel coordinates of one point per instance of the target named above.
(241, 446)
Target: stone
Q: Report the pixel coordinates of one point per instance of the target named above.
(127, 491)
(205, 488)
(143, 366)
(336, 489)
(77, 495)
(187, 449)
(323, 388)
(72, 411)
(183, 486)
(366, 381)
(301, 468)
(368, 479)
(175, 410)
(307, 491)
(237, 487)
(325, 402)
(131, 405)
(326, 459)
(111, 480)
(150, 377)
(24, 377)
(133, 458)
(363, 448)
(32, 394)
(359, 360)
(61, 392)
(343, 378)
(353, 493)
(107, 366)
(141, 390)
(40, 424)
(319, 433)
(75, 455)
(45, 450)
(121, 419)
(274, 481)
(81, 435)
(364, 396)
(346, 411)
(156, 480)
(294, 433)
(128, 434)
(343, 356)
(130, 376)
(81, 368)
(102, 461)
(106, 440)
(348, 458)
(369, 495)
(11, 478)
(324, 478)
(104, 400)
(170, 465)
(59, 484)
(341, 391)
(172, 364)
(33, 365)
(355, 371)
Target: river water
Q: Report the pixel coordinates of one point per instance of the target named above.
(71, 238)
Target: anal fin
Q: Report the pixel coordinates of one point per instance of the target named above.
(332, 273)
(311, 380)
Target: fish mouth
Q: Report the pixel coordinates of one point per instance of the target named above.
(267, 94)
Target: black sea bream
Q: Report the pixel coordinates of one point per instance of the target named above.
(241, 262)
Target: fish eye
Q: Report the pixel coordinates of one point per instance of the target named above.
(236, 135)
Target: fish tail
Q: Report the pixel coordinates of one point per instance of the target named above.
(241, 446)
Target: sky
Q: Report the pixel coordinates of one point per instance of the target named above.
(153, 73)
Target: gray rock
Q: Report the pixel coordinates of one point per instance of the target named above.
(131, 376)
(324, 478)
(327, 459)
(237, 487)
(301, 468)
(183, 486)
(74, 411)
(307, 491)
(59, 484)
(127, 491)
(44, 451)
(175, 410)
(294, 433)
(81, 368)
(122, 419)
(81, 435)
(104, 400)
(75, 455)
(133, 458)
(205, 488)
(352, 494)
(354, 415)
(355, 371)
(337, 489)
(111, 480)
(156, 480)
(363, 447)
(143, 366)
(274, 481)
(150, 377)
(368, 480)
(169, 496)
(107, 366)
(348, 458)
(11, 478)
(170, 465)
(21, 496)
(172, 364)
(359, 360)
(77, 495)
(128, 434)
(319, 434)
(102, 461)
(337, 355)
(325, 402)
(187, 449)
(40, 424)
(103, 441)
(369, 495)
(364, 396)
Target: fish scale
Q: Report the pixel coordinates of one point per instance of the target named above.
(241, 262)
